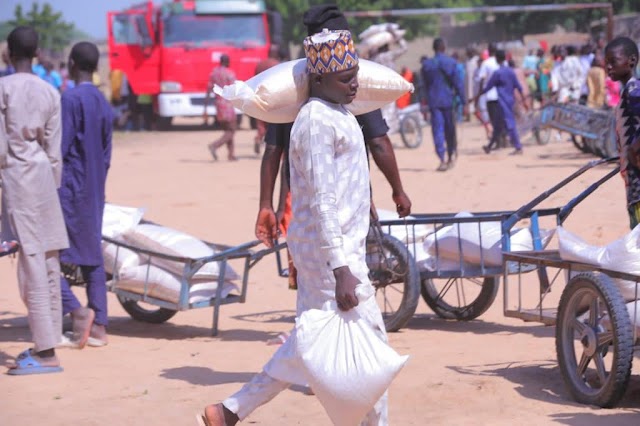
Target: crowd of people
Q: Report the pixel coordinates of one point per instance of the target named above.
(562, 73)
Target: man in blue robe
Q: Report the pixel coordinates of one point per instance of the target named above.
(506, 82)
(86, 153)
(441, 84)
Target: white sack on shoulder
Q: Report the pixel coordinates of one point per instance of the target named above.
(348, 366)
(622, 255)
(378, 28)
(277, 94)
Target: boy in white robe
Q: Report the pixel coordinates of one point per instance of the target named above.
(30, 167)
(330, 201)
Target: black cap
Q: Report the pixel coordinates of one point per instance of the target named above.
(322, 16)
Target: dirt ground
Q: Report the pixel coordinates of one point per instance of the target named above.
(493, 370)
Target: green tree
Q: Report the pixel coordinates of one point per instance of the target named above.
(55, 34)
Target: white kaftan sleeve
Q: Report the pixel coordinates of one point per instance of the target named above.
(317, 152)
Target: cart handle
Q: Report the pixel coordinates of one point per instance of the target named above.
(522, 211)
(566, 210)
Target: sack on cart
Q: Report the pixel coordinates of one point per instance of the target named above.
(473, 244)
(622, 255)
(152, 275)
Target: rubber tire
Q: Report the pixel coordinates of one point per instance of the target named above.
(473, 310)
(542, 135)
(411, 288)
(137, 312)
(616, 384)
(408, 123)
(582, 144)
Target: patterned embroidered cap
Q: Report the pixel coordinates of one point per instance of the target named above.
(330, 51)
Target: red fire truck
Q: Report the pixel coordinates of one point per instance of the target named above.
(169, 50)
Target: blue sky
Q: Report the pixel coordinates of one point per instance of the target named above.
(89, 16)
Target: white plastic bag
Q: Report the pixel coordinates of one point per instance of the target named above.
(116, 220)
(116, 258)
(622, 255)
(464, 240)
(277, 94)
(169, 241)
(164, 285)
(379, 28)
(347, 365)
(405, 233)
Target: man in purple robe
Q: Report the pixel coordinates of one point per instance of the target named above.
(86, 153)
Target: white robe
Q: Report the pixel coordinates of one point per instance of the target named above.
(31, 164)
(330, 201)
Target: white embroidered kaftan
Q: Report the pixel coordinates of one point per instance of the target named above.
(330, 200)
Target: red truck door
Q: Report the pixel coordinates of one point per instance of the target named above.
(133, 48)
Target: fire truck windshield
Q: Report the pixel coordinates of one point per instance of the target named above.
(191, 29)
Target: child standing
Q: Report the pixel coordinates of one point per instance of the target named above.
(86, 152)
(506, 82)
(621, 59)
(330, 201)
(31, 167)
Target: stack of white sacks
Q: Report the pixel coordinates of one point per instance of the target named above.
(378, 35)
(162, 278)
(465, 244)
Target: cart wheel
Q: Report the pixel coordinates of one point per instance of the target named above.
(394, 275)
(542, 135)
(138, 311)
(411, 131)
(582, 144)
(594, 340)
(461, 299)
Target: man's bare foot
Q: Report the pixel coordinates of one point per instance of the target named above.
(218, 415)
(233, 158)
(98, 335)
(82, 321)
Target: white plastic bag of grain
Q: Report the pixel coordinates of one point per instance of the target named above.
(166, 286)
(348, 366)
(378, 28)
(406, 233)
(622, 255)
(162, 239)
(478, 242)
(116, 258)
(117, 220)
(277, 94)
